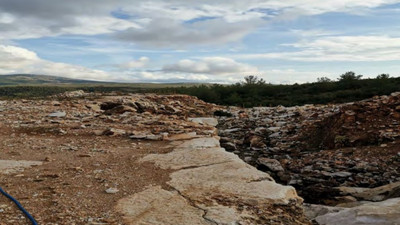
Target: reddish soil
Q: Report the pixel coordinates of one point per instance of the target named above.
(69, 188)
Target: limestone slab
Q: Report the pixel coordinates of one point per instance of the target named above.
(159, 207)
(233, 180)
(209, 121)
(382, 213)
(190, 158)
(13, 166)
(208, 142)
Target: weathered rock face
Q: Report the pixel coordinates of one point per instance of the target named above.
(211, 186)
(316, 148)
(382, 213)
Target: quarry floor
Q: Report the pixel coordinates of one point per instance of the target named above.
(70, 187)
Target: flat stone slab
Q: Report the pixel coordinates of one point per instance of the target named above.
(191, 158)
(177, 137)
(158, 206)
(57, 114)
(209, 121)
(210, 142)
(382, 213)
(232, 179)
(208, 186)
(13, 166)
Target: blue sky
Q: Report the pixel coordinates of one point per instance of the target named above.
(200, 41)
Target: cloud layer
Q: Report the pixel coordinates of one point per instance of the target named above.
(339, 48)
(159, 23)
(201, 41)
(211, 65)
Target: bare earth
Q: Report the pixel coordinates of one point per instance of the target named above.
(70, 187)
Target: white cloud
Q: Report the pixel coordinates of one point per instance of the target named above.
(226, 21)
(12, 57)
(97, 25)
(312, 7)
(210, 69)
(139, 63)
(291, 76)
(19, 60)
(212, 66)
(170, 33)
(338, 48)
(6, 18)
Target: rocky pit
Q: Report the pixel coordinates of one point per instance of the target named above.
(338, 155)
(80, 158)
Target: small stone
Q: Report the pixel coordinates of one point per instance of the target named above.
(112, 191)
(57, 114)
(114, 132)
(47, 159)
(341, 174)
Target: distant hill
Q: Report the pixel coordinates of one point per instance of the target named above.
(31, 79)
(36, 86)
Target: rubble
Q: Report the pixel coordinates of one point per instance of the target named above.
(320, 147)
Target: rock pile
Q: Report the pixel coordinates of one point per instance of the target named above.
(148, 116)
(317, 148)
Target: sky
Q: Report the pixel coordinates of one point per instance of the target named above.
(283, 42)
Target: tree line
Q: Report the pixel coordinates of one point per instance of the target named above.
(256, 92)
(251, 92)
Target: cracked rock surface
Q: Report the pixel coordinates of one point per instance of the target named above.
(211, 186)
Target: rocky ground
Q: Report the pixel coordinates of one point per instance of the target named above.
(81, 158)
(330, 153)
(136, 159)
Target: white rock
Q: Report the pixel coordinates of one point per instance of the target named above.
(57, 114)
(200, 143)
(205, 121)
(157, 206)
(190, 158)
(382, 213)
(13, 166)
(112, 191)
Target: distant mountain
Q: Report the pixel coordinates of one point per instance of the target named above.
(31, 79)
